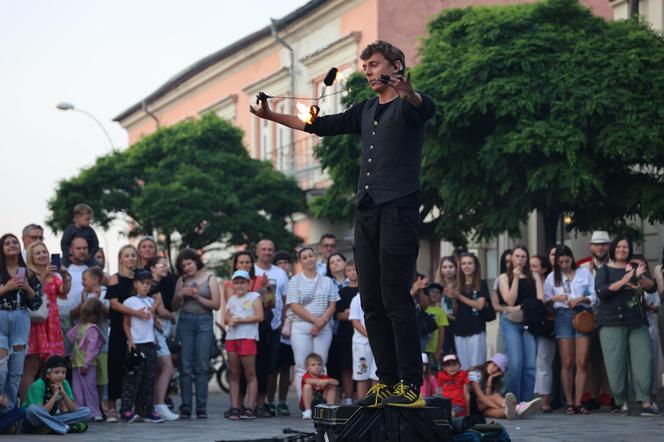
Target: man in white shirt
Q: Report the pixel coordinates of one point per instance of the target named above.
(326, 247)
(268, 344)
(78, 253)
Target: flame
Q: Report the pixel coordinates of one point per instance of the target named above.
(340, 77)
(306, 114)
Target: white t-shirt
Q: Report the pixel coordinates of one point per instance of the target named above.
(73, 296)
(652, 299)
(583, 284)
(279, 279)
(356, 312)
(243, 307)
(142, 330)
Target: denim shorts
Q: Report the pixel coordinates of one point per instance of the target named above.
(564, 327)
(162, 337)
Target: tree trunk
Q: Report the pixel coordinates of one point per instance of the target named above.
(168, 253)
(551, 218)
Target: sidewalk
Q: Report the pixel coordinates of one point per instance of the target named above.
(597, 427)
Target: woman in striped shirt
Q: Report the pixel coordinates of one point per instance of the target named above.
(311, 300)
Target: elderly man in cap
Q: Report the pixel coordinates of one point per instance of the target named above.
(599, 252)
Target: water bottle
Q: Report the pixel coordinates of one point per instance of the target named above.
(475, 311)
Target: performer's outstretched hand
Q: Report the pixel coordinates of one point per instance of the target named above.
(262, 111)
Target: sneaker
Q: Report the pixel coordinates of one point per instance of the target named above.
(651, 410)
(247, 414)
(201, 414)
(273, 409)
(129, 417)
(525, 409)
(282, 409)
(163, 411)
(375, 396)
(153, 418)
(264, 411)
(234, 414)
(510, 406)
(306, 414)
(347, 401)
(98, 419)
(405, 396)
(111, 417)
(185, 413)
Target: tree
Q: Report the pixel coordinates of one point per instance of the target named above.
(195, 179)
(542, 106)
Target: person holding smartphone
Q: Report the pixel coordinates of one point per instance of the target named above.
(20, 290)
(46, 338)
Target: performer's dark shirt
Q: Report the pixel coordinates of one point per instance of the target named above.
(392, 138)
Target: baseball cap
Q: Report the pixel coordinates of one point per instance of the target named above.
(241, 274)
(142, 275)
(450, 358)
(600, 237)
(500, 360)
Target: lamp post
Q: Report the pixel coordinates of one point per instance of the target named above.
(68, 106)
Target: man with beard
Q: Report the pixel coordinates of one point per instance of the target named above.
(597, 383)
(599, 252)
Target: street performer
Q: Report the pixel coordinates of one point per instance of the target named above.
(387, 222)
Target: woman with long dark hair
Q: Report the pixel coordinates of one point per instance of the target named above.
(340, 357)
(623, 326)
(470, 301)
(447, 275)
(516, 286)
(20, 291)
(571, 289)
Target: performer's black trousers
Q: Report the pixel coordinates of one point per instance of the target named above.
(386, 246)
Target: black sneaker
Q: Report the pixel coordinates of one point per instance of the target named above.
(375, 396)
(405, 396)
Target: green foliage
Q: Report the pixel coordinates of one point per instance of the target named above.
(194, 178)
(542, 106)
(340, 156)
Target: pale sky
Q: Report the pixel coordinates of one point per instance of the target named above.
(102, 56)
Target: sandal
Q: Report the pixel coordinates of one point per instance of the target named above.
(571, 409)
(581, 410)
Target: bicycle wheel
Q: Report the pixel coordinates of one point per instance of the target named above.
(222, 378)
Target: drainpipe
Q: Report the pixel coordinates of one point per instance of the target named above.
(281, 41)
(634, 9)
(144, 105)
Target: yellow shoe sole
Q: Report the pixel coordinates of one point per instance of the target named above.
(420, 403)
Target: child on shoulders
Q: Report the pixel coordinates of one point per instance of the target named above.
(316, 386)
(50, 405)
(80, 228)
(244, 311)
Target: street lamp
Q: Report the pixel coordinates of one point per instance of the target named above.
(68, 106)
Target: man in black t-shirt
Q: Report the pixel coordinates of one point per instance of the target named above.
(387, 222)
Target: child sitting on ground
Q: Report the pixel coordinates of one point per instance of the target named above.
(80, 229)
(50, 405)
(453, 384)
(316, 386)
(244, 311)
(485, 382)
(141, 364)
(88, 341)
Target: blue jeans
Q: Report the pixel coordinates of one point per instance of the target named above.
(10, 417)
(37, 416)
(521, 348)
(14, 331)
(195, 334)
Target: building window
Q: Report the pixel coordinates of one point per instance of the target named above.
(266, 135)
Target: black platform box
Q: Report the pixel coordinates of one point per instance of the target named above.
(362, 424)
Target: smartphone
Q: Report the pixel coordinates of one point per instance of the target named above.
(55, 260)
(20, 274)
